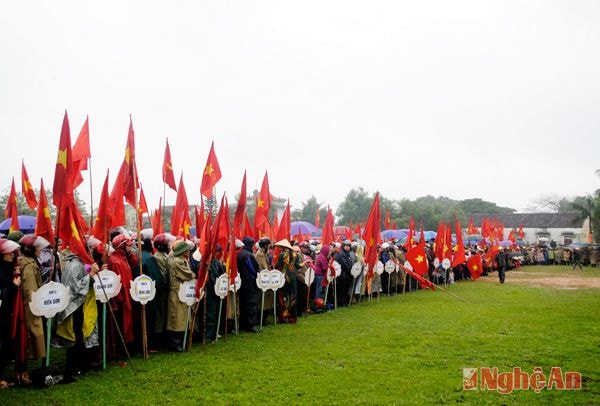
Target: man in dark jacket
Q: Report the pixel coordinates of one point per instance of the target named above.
(248, 269)
(344, 258)
(501, 261)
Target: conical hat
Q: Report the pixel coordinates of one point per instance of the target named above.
(284, 243)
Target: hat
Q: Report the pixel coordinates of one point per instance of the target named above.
(197, 255)
(121, 239)
(92, 242)
(347, 242)
(284, 243)
(238, 243)
(385, 245)
(15, 235)
(180, 247)
(41, 242)
(8, 246)
(27, 240)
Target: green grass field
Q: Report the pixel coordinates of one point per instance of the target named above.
(406, 349)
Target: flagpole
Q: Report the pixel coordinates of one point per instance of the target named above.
(91, 195)
(162, 218)
(139, 244)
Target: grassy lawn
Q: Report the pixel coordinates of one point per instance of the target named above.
(404, 349)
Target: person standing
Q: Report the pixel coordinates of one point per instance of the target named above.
(321, 267)
(161, 300)
(10, 282)
(262, 258)
(248, 269)
(31, 276)
(345, 259)
(151, 268)
(577, 258)
(501, 261)
(215, 269)
(180, 272)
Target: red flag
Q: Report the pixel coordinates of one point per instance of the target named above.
(448, 243)
(422, 281)
(439, 241)
(130, 180)
(411, 233)
(18, 329)
(103, 221)
(238, 218)
(180, 218)
(116, 200)
(318, 218)
(12, 210)
(475, 266)
(201, 217)
(263, 204)
(81, 153)
(157, 227)
(418, 259)
(521, 233)
(285, 227)
(222, 227)
(394, 226)
(212, 173)
(26, 188)
(275, 229)
(327, 237)
(248, 231)
(43, 223)
(357, 229)
(142, 207)
(62, 190)
(371, 236)
(167, 169)
(387, 219)
(70, 231)
(232, 260)
(459, 255)
(206, 253)
(349, 235)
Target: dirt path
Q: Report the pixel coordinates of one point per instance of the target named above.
(552, 280)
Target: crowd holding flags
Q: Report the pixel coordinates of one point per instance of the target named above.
(217, 239)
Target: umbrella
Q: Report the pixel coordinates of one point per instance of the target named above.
(389, 234)
(302, 227)
(26, 225)
(506, 243)
(430, 235)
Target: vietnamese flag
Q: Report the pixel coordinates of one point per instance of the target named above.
(439, 241)
(240, 209)
(418, 259)
(70, 230)
(521, 233)
(43, 223)
(81, 153)
(180, 218)
(232, 268)
(459, 255)
(411, 233)
(167, 169)
(222, 226)
(285, 227)
(475, 266)
(142, 207)
(157, 227)
(116, 205)
(212, 173)
(357, 229)
(318, 218)
(448, 243)
(12, 210)
(387, 219)
(275, 229)
(201, 217)
(27, 189)
(371, 235)
(349, 235)
(248, 231)
(103, 221)
(130, 180)
(327, 236)
(422, 281)
(62, 190)
(263, 204)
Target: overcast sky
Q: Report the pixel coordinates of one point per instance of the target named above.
(498, 100)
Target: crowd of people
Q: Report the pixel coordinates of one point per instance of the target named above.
(27, 262)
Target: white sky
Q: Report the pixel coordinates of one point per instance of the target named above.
(498, 100)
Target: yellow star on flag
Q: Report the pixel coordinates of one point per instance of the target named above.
(62, 158)
(419, 259)
(261, 202)
(209, 170)
(46, 212)
(27, 186)
(475, 267)
(74, 231)
(127, 155)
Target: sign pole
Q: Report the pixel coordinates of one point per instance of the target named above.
(187, 323)
(48, 332)
(103, 335)
(219, 320)
(262, 309)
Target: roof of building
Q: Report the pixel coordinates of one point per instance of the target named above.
(533, 220)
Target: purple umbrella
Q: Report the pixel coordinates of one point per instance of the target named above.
(26, 225)
(302, 227)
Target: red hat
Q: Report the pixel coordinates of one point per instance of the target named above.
(8, 246)
(120, 240)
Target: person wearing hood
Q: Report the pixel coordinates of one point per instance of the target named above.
(321, 267)
(10, 282)
(77, 327)
(120, 263)
(248, 269)
(31, 276)
(215, 269)
(264, 262)
(161, 300)
(346, 260)
(180, 272)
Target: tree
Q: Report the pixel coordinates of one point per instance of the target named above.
(589, 208)
(355, 206)
(308, 212)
